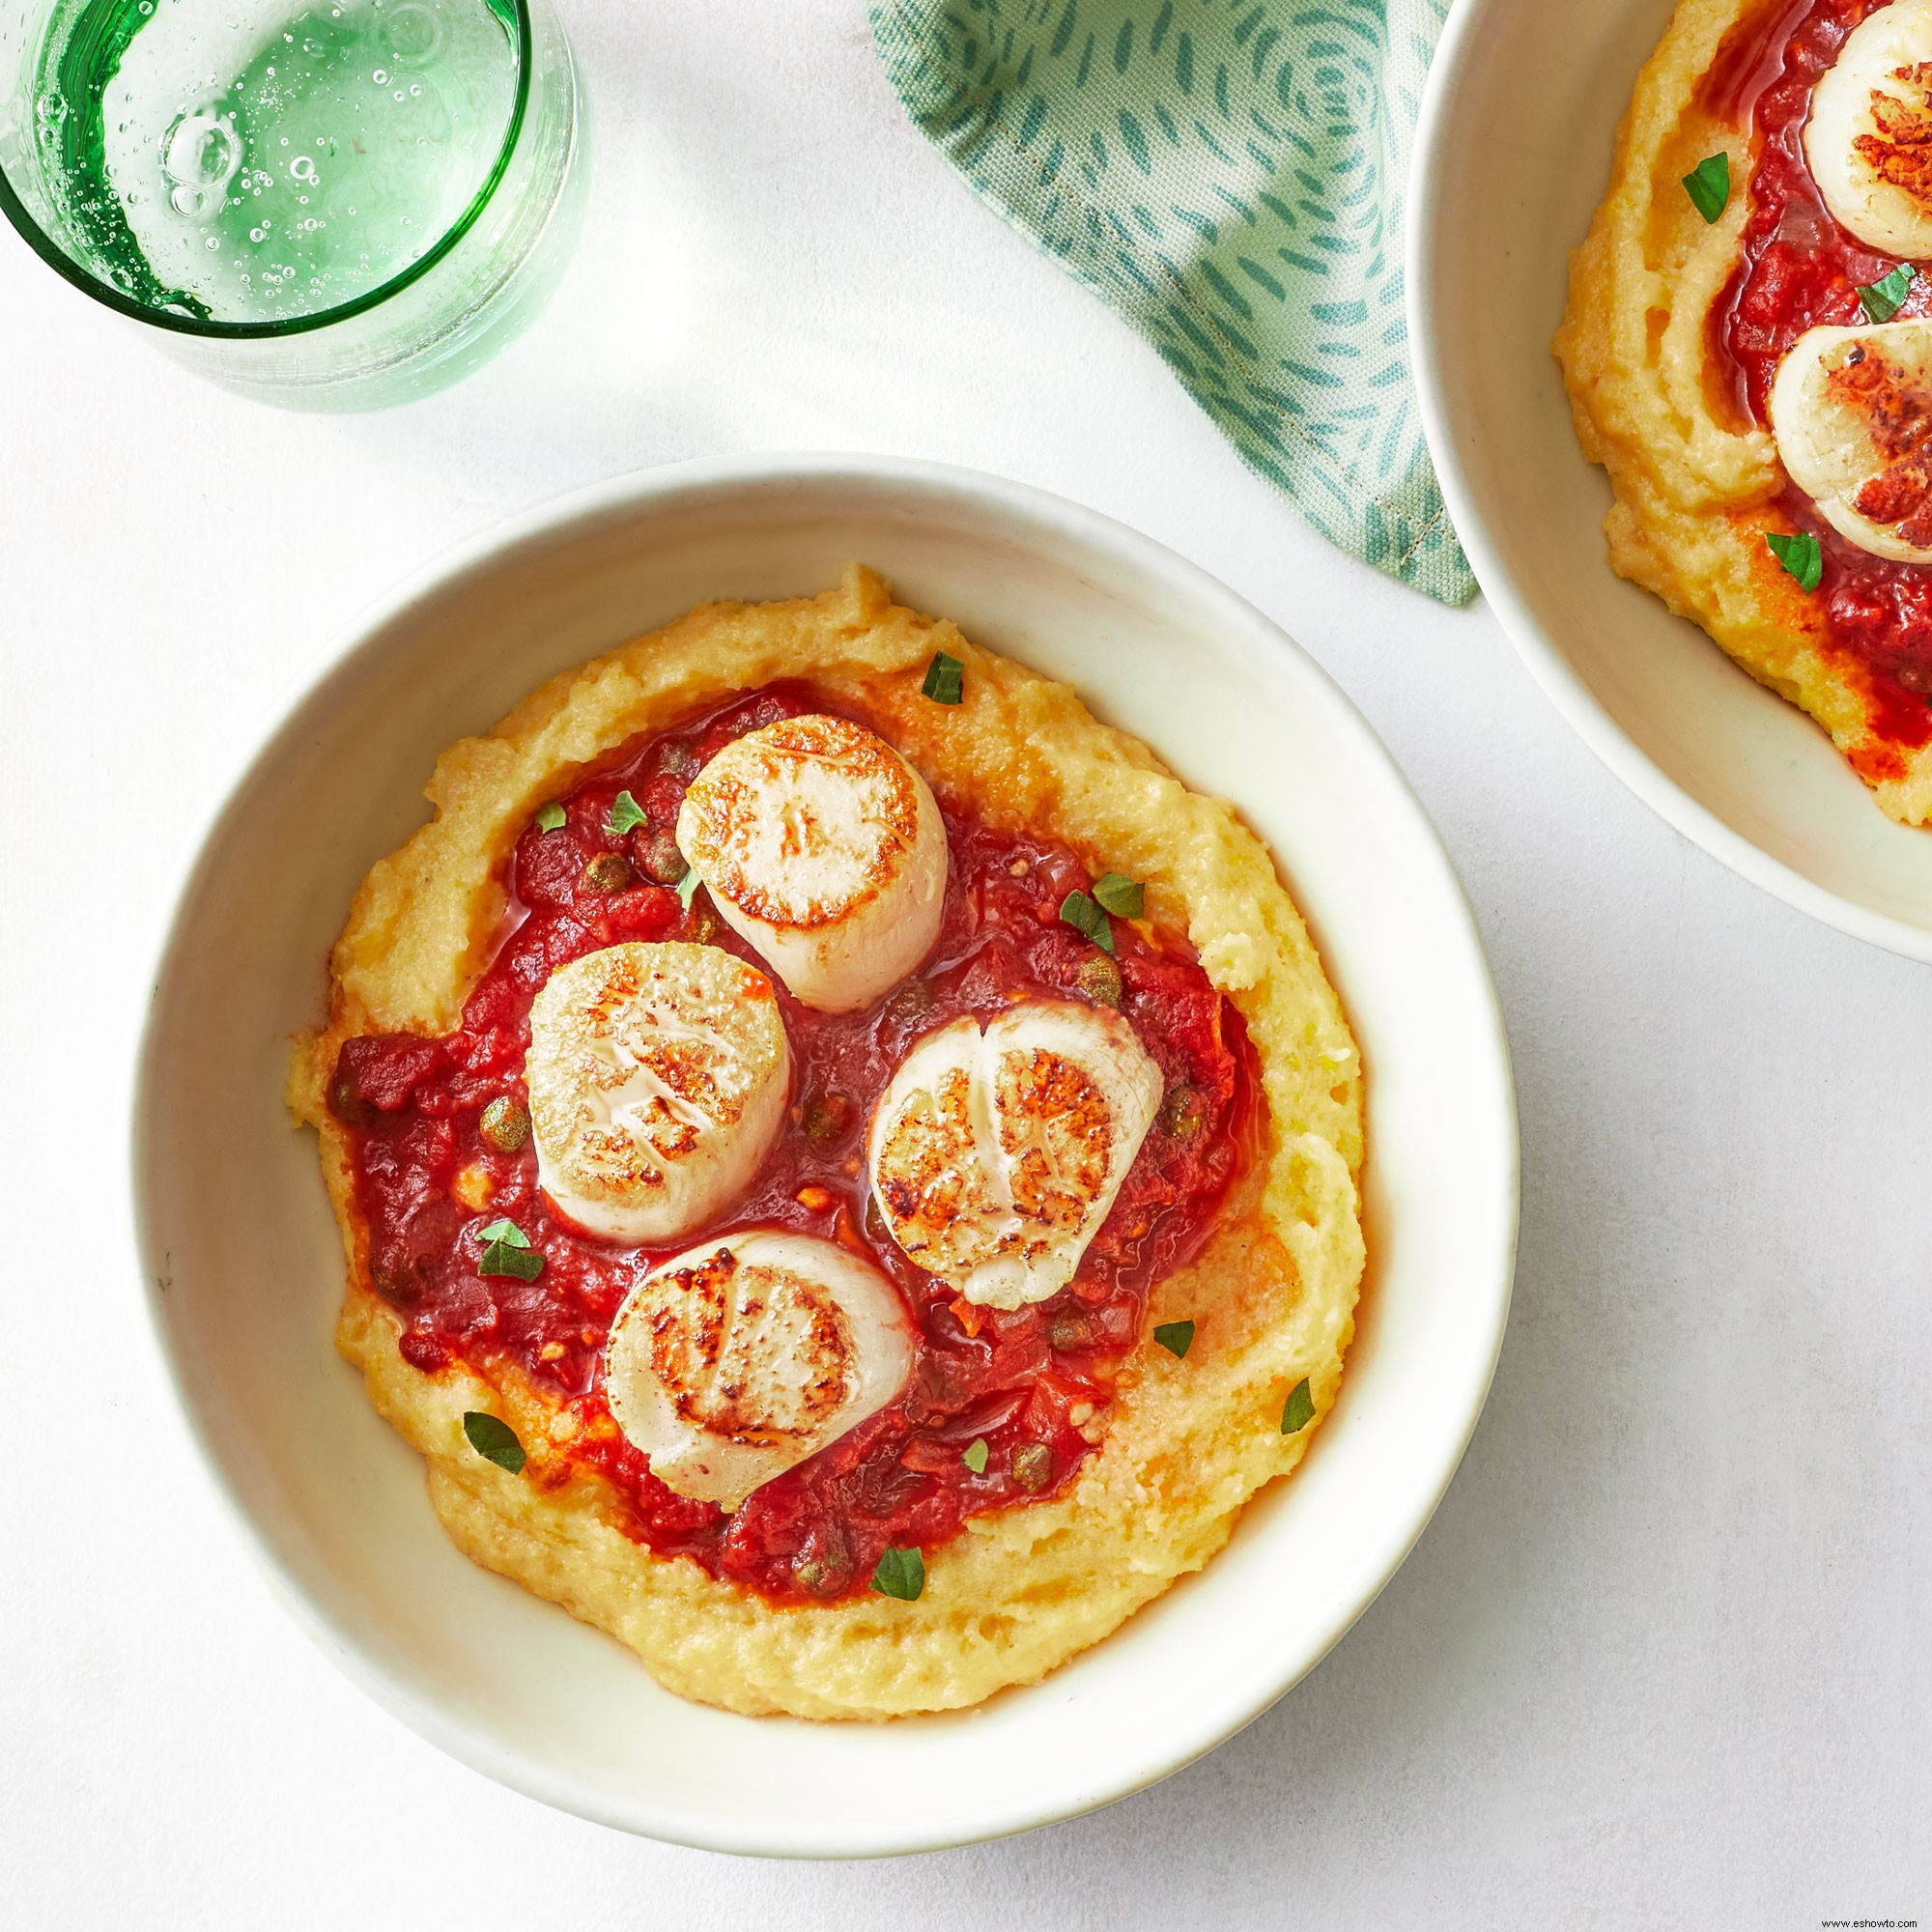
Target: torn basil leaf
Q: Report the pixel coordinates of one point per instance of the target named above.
(975, 1457)
(1881, 301)
(902, 1574)
(499, 1258)
(1176, 1337)
(1709, 185)
(1299, 1411)
(1125, 898)
(625, 814)
(506, 1251)
(1800, 554)
(493, 1440)
(1080, 912)
(945, 679)
(550, 819)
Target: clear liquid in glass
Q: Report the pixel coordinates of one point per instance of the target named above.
(266, 167)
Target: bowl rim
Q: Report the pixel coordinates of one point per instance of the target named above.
(1459, 51)
(361, 1655)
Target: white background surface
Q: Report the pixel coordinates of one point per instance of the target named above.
(1662, 1657)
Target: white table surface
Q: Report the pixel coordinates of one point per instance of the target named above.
(1662, 1660)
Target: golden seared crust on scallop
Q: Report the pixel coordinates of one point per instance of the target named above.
(1868, 136)
(706, 1322)
(1851, 409)
(1898, 151)
(1696, 483)
(801, 823)
(997, 1150)
(658, 1078)
(1272, 1295)
(826, 850)
(737, 1360)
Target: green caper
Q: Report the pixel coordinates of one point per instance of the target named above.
(607, 872)
(911, 1002)
(346, 1101)
(680, 761)
(827, 1117)
(1032, 1466)
(505, 1124)
(821, 1575)
(657, 853)
(1069, 1331)
(1183, 1113)
(702, 925)
(1099, 978)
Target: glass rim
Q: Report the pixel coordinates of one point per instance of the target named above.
(88, 283)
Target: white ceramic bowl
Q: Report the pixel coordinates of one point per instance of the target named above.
(1512, 156)
(230, 1208)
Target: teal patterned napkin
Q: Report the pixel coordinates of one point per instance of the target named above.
(1228, 174)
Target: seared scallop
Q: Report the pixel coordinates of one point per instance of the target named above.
(1868, 140)
(998, 1152)
(1850, 410)
(736, 1361)
(825, 851)
(659, 1077)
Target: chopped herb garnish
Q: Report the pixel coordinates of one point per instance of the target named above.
(1800, 554)
(1299, 1411)
(945, 679)
(1176, 1337)
(1080, 912)
(902, 1574)
(1709, 185)
(506, 1251)
(1125, 898)
(550, 819)
(493, 1438)
(625, 812)
(1881, 301)
(687, 887)
(975, 1457)
(499, 1258)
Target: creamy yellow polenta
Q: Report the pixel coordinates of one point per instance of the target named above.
(1696, 482)
(1190, 1441)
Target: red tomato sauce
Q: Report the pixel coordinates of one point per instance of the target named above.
(1041, 1377)
(1798, 269)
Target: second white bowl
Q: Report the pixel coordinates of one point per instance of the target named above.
(1512, 156)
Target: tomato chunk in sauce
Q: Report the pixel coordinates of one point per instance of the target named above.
(1798, 269)
(1035, 1384)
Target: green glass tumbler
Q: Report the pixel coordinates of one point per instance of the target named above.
(323, 204)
